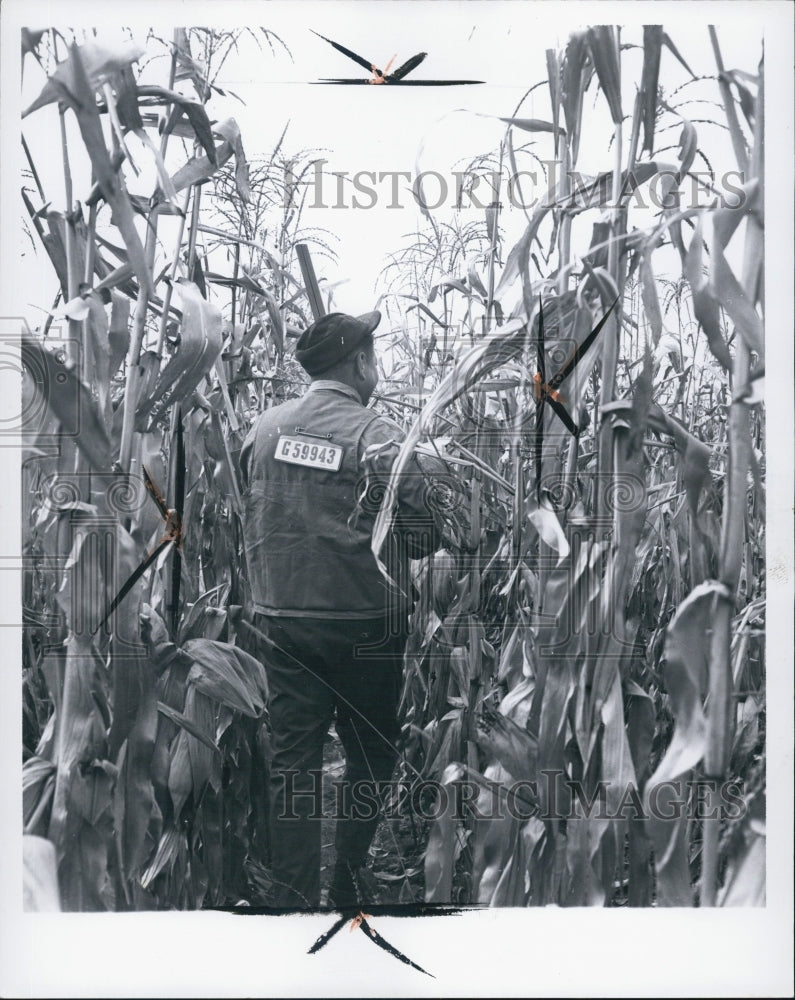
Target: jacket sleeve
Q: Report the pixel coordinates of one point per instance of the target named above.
(415, 517)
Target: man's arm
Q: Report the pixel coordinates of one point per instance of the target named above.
(416, 516)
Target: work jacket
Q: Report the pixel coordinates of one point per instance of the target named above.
(314, 470)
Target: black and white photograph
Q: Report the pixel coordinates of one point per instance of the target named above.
(398, 527)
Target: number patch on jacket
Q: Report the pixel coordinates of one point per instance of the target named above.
(314, 456)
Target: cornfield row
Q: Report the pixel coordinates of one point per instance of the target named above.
(598, 609)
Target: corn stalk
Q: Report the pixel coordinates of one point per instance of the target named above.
(142, 715)
(735, 512)
(567, 692)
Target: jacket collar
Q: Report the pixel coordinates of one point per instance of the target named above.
(332, 385)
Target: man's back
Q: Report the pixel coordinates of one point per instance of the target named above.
(309, 515)
(333, 627)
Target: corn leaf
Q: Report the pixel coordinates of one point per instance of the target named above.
(423, 308)
(185, 723)
(603, 47)
(440, 852)
(230, 131)
(38, 786)
(651, 301)
(180, 778)
(705, 305)
(201, 168)
(228, 675)
(731, 295)
(475, 282)
(276, 318)
(165, 855)
(686, 657)
(493, 351)
(55, 245)
(200, 713)
(508, 743)
(118, 331)
(196, 114)
(189, 68)
(84, 105)
(598, 192)
(546, 523)
(134, 800)
(553, 78)
(198, 127)
(101, 63)
(688, 145)
(576, 73)
(200, 344)
(531, 124)
(672, 48)
(60, 391)
(97, 345)
(685, 673)
(165, 179)
(31, 41)
(511, 888)
(79, 731)
(652, 47)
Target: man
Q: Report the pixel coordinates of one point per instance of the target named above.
(314, 471)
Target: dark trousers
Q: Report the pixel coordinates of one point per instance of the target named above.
(320, 667)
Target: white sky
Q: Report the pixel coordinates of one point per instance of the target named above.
(382, 128)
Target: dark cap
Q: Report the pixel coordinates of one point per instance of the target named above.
(332, 338)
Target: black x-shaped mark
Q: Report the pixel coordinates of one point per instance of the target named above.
(396, 77)
(547, 392)
(359, 921)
